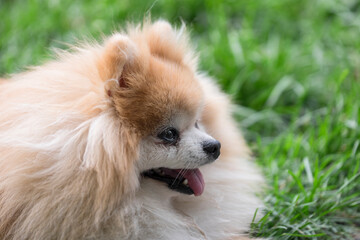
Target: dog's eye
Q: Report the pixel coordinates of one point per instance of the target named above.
(197, 124)
(169, 135)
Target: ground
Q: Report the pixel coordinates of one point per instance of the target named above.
(292, 68)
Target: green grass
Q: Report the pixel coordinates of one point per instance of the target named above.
(291, 66)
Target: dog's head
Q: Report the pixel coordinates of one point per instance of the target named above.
(150, 80)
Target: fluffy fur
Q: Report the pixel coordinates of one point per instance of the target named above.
(71, 133)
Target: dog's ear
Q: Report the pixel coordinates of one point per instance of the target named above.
(165, 42)
(118, 53)
(163, 27)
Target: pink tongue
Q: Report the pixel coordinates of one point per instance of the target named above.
(194, 177)
(195, 181)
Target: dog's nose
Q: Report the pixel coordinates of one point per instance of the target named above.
(212, 148)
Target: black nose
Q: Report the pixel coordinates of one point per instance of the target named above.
(212, 148)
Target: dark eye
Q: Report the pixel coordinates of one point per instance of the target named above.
(169, 135)
(196, 124)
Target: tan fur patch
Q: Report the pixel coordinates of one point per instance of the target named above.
(157, 84)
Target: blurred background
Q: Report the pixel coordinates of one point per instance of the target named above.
(291, 67)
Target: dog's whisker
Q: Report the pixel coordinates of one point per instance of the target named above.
(178, 175)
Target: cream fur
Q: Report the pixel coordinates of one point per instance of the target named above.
(68, 160)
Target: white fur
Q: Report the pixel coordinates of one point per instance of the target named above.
(187, 153)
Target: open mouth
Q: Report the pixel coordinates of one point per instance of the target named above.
(187, 181)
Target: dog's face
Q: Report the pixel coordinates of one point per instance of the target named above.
(180, 143)
(155, 91)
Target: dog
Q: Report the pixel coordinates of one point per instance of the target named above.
(123, 139)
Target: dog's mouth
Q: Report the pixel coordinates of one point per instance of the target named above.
(187, 181)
